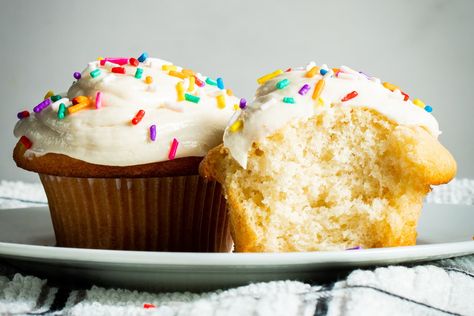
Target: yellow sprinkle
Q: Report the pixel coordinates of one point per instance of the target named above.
(168, 67)
(48, 94)
(148, 79)
(390, 86)
(174, 73)
(220, 101)
(320, 101)
(180, 91)
(269, 76)
(419, 103)
(312, 72)
(192, 80)
(236, 126)
(100, 58)
(236, 107)
(230, 92)
(318, 89)
(77, 107)
(187, 72)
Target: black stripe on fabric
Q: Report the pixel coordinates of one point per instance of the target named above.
(322, 304)
(23, 201)
(42, 297)
(59, 302)
(459, 271)
(406, 299)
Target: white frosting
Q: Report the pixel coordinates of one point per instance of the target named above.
(106, 136)
(268, 113)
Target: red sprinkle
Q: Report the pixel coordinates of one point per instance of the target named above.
(288, 70)
(199, 82)
(173, 149)
(118, 70)
(349, 96)
(23, 114)
(26, 142)
(138, 117)
(134, 62)
(405, 96)
(147, 306)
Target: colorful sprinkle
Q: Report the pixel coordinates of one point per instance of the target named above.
(153, 132)
(187, 72)
(62, 111)
(350, 95)
(289, 100)
(138, 117)
(173, 149)
(230, 92)
(320, 101)
(220, 101)
(48, 94)
(192, 81)
(98, 100)
(312, 72)
(288, 69)
(355, 248)
(77, 107)
(168, 67)
(26, 142)
(211, 82)
(282, 84)
(318, 88)
(177, 74)
(95, 73)
(390, 86)
(43, 105)
(142, 57)
(269, 76)
(220, 83)
(304, 89)
(180, 91)
(56, 97)
(236, 126)
(115, 60)
(323, 72)
(236, 107)
(428, 109)
(405, 96)
(118, 70)
(199, 82)
(148, 79)
(139, 73)
(77, 75)
(134, 62)
(23, 114)
(191, 98)
(419, 103)
(243, 103)
(80, 99)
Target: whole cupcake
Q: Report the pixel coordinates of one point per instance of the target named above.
(328, 159)
(118, 156)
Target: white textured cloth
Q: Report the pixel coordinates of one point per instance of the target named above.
(443, 287)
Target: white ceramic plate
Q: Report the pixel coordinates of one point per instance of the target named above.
(27, 243)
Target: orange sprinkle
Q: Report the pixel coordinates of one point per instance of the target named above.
(230, 92)
(80, 99)
(175, 73)
(148, 79)
(312, 72)
(318, 89)
(187, 72)
(390, 86)
(336, 70)
(77, 107)
(192, 81)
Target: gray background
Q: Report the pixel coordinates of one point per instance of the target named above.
(426, 47)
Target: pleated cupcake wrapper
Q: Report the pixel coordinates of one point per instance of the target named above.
(185, 213)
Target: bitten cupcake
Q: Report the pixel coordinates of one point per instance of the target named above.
(118, 156)
(328, 159)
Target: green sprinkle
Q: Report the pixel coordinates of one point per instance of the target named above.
(94, 73)
(55, 98)
(139, 73)
(288, 100)
(61, 111)
(191, 98)
(211, 82)
(283, 83)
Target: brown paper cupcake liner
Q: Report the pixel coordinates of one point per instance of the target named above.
(185, 213)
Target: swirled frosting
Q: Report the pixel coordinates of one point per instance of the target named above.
(282, 98)
(182, 105)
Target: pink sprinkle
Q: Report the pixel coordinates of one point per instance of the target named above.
(98, 100)
(116, 60)
(173, 149)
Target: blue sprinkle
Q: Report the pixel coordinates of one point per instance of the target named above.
(288, 100)
(428, 109)
(323, 72)
(220, 83)
(142, 57)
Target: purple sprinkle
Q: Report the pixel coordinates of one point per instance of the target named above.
(304, 89)
(153, 132)
(40, 107)
(355, 248)
(77, 75)
(243, 103)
